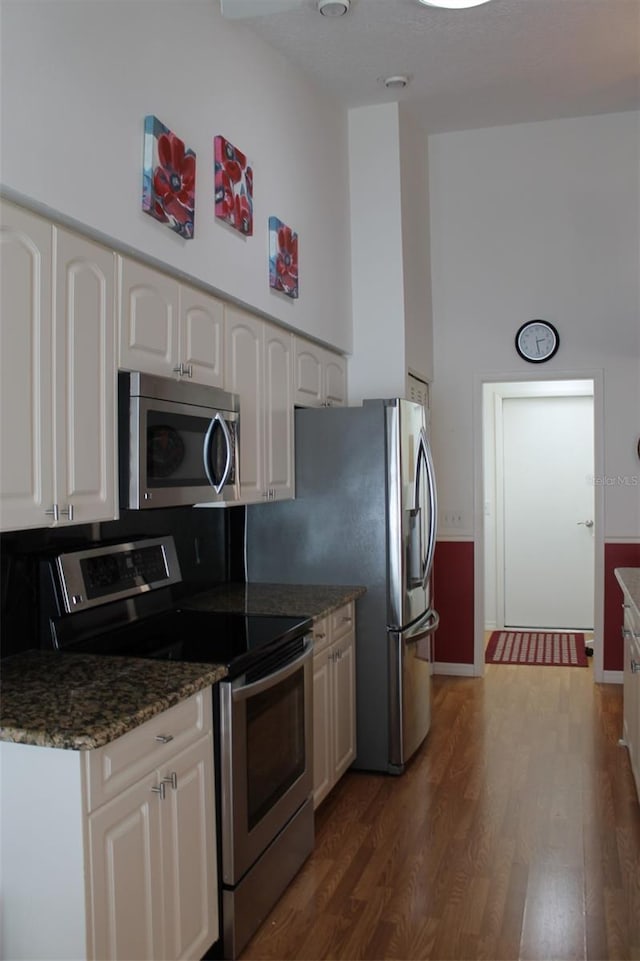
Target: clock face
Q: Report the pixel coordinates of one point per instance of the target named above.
(537, 341)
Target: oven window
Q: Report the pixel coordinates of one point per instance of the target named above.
(275, 744)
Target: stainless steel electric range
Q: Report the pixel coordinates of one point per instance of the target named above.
(116, 599)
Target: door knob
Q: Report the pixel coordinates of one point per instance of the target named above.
(586, 523)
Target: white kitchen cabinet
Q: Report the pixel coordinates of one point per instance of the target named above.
(334, 699)
(168, 328)
(320, 375)
(631, 680)
(58, 375)
(115, 853)
(258, 367)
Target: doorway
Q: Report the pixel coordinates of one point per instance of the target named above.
(538, 565)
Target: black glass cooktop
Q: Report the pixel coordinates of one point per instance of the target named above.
(235, 640)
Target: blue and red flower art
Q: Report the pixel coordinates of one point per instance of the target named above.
(169, 178)
(283, 258)
(233, 186)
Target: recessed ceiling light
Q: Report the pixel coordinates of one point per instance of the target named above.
(397, 82)
(333, 8)
(452, 4)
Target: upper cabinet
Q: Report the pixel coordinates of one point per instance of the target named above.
(168, 328)
(259, 367)
(320, 376)
(57, 389)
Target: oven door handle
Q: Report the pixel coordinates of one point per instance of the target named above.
(240, 691)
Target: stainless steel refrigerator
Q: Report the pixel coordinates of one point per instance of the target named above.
(364, 513)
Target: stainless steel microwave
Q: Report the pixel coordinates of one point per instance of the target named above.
(178, 443)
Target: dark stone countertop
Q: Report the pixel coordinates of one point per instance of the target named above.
(629, 579)
(82, 701)
(305, 600)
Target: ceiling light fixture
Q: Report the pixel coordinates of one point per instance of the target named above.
(452, 4)
(397, 82)
(333, 8)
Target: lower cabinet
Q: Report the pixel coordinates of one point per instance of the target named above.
(631, 733)
(121, 864)
(334, 700)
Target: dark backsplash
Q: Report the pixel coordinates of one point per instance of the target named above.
(209, 544)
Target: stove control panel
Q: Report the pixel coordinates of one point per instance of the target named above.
(114, 571)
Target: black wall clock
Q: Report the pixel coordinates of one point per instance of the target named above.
(537, 341)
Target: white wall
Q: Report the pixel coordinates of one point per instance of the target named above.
(78, 79)
(391, 290)
(537, 220)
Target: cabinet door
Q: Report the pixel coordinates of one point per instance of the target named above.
(26, 466)
(631, 696)
(148, 319)
(322, 727)
(335, 380)
(202, 336)
(344, 704)
(85, 388)
(278, 413)
(189, 853)
(308, 374)
(126, 879)
(244, 376)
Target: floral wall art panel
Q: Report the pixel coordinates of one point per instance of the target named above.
(283, 258)
(233, 186)
(169, 178)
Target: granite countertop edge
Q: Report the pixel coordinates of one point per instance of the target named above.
(82, 702)
(629, 579)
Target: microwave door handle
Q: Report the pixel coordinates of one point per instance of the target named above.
(208, 440)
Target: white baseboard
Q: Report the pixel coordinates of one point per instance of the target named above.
(458, 670)
(612, 677)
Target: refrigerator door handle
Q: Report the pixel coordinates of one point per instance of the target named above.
(428, 627)
(433, 504)
(421, 559)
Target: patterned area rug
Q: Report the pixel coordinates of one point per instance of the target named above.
(553, 648)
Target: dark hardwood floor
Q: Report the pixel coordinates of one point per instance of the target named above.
(513, 834)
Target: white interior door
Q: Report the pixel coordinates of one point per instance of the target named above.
(548, 503)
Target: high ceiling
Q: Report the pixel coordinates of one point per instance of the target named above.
(508, 61)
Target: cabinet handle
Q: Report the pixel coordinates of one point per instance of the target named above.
(171, 779)
(179, 370)
(160, 789)
(68, 511)
(54, 511)
(188, 370)
(635, 666)
(319, 636)
(164, 738)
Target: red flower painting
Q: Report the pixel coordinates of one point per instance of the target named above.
(233, 181)
(283, 258)
(169, 178)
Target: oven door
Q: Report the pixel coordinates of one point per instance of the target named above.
(266, 760)
(181, 454)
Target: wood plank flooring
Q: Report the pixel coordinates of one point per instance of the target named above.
(513, 834)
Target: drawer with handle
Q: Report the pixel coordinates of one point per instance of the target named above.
(113, 767)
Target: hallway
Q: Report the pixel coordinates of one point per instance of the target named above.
(514, 834)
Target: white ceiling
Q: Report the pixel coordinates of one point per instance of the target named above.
(508, 61)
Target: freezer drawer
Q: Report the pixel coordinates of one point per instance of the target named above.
(409, 690)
